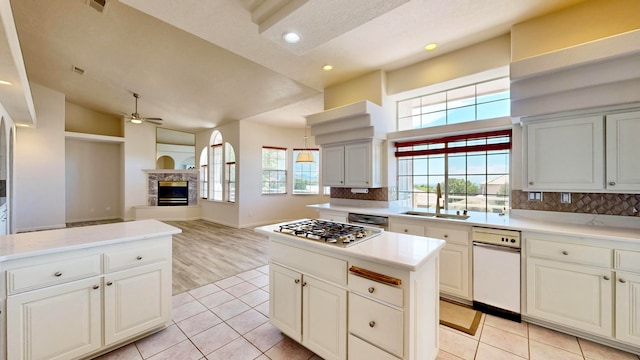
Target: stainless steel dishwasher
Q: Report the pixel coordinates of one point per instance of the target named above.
(496, 272)
(381, 222)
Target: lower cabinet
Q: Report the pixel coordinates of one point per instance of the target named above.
(333, 216)
(627, 266)
(309, 310)
(571, 295)
(58, 322)
(136, 300)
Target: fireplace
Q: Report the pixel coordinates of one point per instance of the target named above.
(173, 193)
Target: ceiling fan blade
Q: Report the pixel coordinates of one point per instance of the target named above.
(158, 119)
(153, 121)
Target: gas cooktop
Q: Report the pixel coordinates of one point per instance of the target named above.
(333, 233)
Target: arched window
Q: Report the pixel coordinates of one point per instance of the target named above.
(216, 169)
(204, 174)
(230, 172)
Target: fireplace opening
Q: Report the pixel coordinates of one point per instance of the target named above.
(173, 193)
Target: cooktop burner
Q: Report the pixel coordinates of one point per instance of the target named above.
(337, 234)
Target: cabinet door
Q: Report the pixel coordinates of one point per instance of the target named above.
(324, 318)
(628, 307)
(566, 154)
(454, 270)
(570, 295)
(57, 322)
(357, 164)
(623, 162)
(285, 300)
(333, 216)
(333, 166)
(136, 300)
(404, 228)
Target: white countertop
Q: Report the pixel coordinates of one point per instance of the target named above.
(511, 222)
(17, 246)
(402, 251)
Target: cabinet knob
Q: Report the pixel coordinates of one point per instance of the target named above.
(57, 274)
(606, 277)
(138, 257)
(612, 183)
(371, 290)
(304, 283)
(296, 281)
(372, 323)
(96, 287)
(530, 182)
(446, 236)
(565, 252)
(109, 283)
(623, 281)
(406, 230)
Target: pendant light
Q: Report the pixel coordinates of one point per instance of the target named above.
(305, 156)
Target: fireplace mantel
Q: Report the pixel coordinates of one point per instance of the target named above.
(169, 171)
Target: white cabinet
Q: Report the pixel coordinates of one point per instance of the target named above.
(336, 216)
(136, 300)
(72, 304)
(309, 310)
(352, 165)
(58, 322)
(565, 154)
(627, 266)
(623, 162)
(572, 295)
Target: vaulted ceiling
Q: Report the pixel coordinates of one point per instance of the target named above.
(198, 64)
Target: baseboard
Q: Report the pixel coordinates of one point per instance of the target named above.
(42, 228)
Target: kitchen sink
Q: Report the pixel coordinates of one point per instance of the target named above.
(434, 215)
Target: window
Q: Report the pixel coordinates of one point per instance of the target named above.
(473, 171)
(204, 174)
(481, 101)
(274, 170)
(306, 175)
(230, 172)
(216, 166)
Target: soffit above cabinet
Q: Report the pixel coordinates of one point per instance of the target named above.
(357, 121)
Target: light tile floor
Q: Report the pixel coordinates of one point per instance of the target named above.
(229, 320)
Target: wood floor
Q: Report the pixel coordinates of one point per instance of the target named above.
(206, 252)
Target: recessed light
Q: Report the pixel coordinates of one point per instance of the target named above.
(431, 46)
(291, 37)
(327, 67)
(2, 82)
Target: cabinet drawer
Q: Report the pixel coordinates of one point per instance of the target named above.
(362, 350)
(131, 256)
(579, 254)
(407, 229)
(460, 237)
(377, 290)
(627, 260)
(321, 266)
(39, 276)
(376, 323)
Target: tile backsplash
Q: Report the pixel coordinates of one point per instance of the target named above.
(586, 203)
(375, 194)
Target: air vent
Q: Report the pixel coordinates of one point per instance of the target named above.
(98, 5)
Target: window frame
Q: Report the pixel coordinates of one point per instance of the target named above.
(281, 173)
(295, 173)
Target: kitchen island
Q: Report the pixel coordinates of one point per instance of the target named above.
(376, 299)
(79, 292)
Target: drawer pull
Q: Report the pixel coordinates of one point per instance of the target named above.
(139, 257)
(565, 252)
(96, 287)
(606, 277)
(57, 274)
(530, 182)
(109, 283)
(371, 290)
(372, 323)
(612, 183)
(296, 281)
(375, 276)
(406, 230)
(446, 236)
(623, 281)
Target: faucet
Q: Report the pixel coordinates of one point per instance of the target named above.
(439, 196)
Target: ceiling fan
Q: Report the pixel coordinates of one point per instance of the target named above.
(135, 118)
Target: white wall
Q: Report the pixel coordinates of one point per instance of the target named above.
(255, 208)
(139, 154)
(93, 180)
(39, 165)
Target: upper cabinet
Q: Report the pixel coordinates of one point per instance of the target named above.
(577, 153)
(352, 165)
(623, 162)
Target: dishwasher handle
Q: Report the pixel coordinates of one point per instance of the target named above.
(497, 247)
